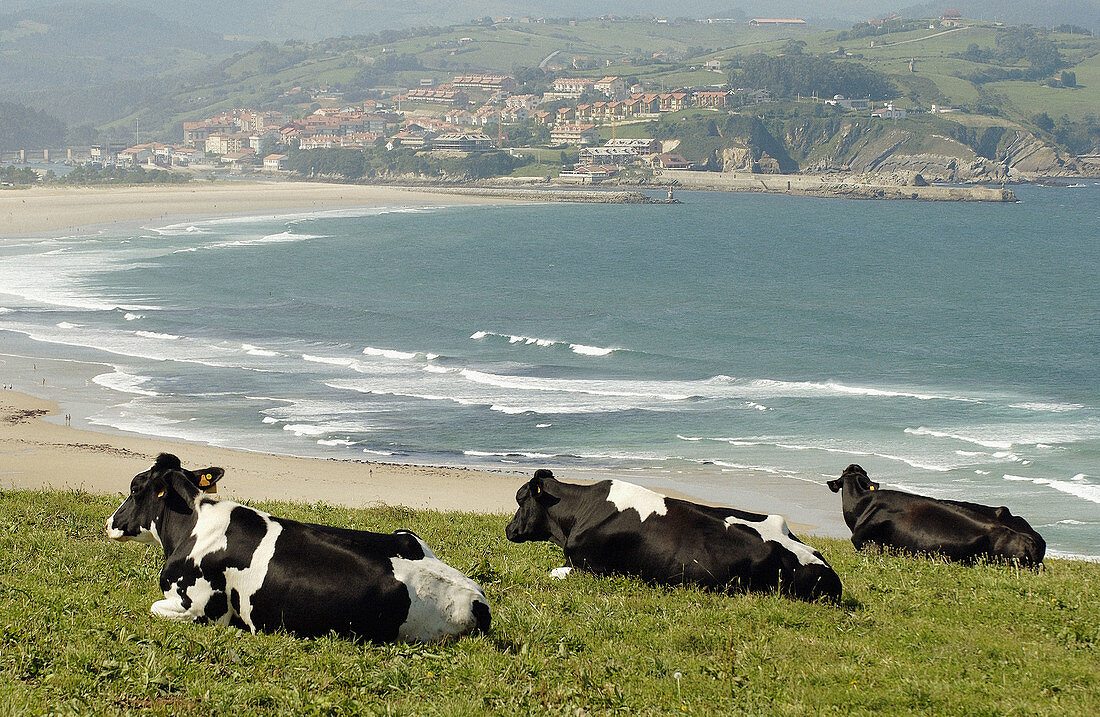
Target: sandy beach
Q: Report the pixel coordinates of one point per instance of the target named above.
(43, 209)
(36, 452)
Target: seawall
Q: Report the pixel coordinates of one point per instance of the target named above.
(590, 196)
(828, 186)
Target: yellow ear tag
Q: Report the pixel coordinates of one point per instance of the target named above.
(204, 480)
(161, 494)
(538, 489)
(874, 487)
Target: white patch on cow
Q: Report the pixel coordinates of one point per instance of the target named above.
(560, 573)
(171, 608)
(199, 594)
(210, 533)
(211, 525)
(774, 528)
(249, 580)
(625, 496)
(441, 599)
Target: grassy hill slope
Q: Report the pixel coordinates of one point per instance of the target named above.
(912, 635)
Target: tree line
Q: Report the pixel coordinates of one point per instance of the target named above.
(23, 127)
(379, 163)
(806, 75)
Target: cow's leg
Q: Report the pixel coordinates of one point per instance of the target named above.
(170, 608)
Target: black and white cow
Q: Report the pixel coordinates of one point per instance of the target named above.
(915, 523)
(235, 565)
(618, 527)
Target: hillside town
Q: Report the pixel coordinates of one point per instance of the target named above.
(473, 113)
(578, 120)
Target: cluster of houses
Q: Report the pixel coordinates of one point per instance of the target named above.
(605, 161)
(444, 118)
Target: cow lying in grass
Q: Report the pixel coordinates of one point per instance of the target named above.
(235, 565)
(914, 523)
(617, 527)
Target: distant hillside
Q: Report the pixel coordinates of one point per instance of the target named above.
(77, 59)
(319, 19)
(1042, 13)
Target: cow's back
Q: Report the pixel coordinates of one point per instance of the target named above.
(712, 547)
(955, 529)
(322, 580)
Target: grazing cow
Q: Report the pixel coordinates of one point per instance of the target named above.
(617, 527)
(235, 565)
(957, 530)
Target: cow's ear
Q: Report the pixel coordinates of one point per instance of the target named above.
(834, 485)
(538, 483)
(161, 486)
(206, 479)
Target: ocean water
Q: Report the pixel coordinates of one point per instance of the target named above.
(731, 342)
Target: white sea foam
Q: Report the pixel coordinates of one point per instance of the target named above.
(1047, 407)
(577, 348)
(622, 389)
(68, 325)
(1085, 491)
(377, 452)
(335, 442)
(280, 238)
(124, 383)
(922, 431)
(155, 335)
(811, 388)
(590, 350)
(269, 419)
(257, 351)
(330, 360)
(130, 316)
(389, 353)
(507, 454)
(304, 429)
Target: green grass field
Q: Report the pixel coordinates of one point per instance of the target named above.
(911, 635)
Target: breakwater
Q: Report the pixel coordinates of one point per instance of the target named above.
(816, 185)
(588, 196)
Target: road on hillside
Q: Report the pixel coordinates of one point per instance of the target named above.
(546, 60)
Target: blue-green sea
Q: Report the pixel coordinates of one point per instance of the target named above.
(729, 343)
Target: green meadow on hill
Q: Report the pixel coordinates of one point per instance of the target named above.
(910, 635)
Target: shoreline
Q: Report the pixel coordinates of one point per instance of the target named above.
(39, 210)
(39, 454)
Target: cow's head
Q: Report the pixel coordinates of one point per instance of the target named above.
(532, 521)
(165, 488)
(856, 476)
